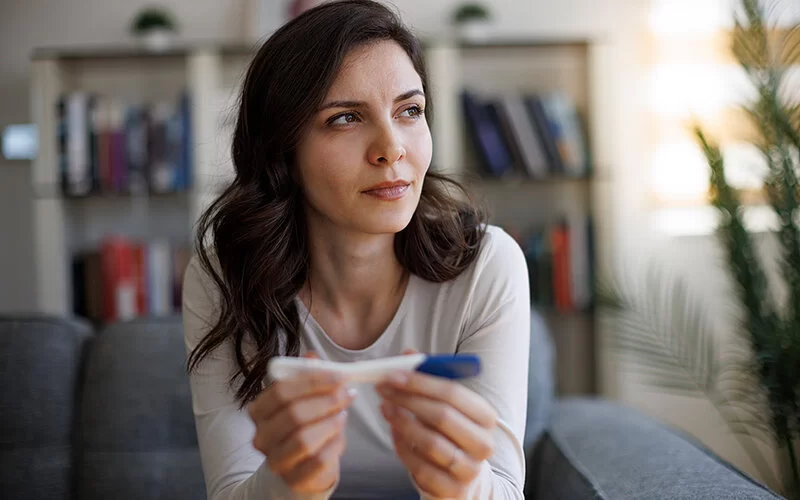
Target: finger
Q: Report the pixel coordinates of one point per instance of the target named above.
(289, 390)
(430, 445)
(474, 440)
(456, 395)
(311, 355)
(320, 472)
(305, 442)
(432, 479)
(301, 413)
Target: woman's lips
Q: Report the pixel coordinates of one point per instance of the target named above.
(389, 193)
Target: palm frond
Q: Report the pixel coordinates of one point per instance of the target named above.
(665, 334)
(750, 43)
(790, 47)
(661, 330)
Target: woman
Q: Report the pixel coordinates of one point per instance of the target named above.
(335, 240)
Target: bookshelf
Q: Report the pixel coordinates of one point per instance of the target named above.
(211, 74)
(70, 222)
(517, 202)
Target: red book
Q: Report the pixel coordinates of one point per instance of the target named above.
(561, 274)
(118, 282)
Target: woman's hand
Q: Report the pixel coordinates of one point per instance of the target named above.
(442, 431)
(299, 428)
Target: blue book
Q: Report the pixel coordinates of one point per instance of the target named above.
(484, 127)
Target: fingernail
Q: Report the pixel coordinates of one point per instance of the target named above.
(398, 378)
(352, 392)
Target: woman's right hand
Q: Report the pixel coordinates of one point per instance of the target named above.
(300, 429)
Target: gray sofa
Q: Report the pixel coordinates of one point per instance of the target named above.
(101, 415)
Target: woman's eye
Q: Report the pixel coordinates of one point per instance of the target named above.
(414, 112)
(343, 119)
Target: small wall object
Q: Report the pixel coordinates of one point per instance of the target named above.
(155, 29)
(472, 21)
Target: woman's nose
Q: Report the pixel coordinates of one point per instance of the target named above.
(387, 149)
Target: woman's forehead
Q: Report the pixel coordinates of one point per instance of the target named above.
(381, 67)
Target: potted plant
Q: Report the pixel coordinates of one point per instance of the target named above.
(154, 28)
(472, 21)
(755, 384)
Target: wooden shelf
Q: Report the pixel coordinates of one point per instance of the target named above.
(525, 43)
(133, 51)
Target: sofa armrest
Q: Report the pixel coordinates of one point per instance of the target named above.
(600, 450)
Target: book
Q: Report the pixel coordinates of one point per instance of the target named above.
(525, 136)
(569, 133)
(581, 282)
(125, 278)
(484, 128)
(159, 278)
(546, 131)
(560, 258)
(119, 286)
(76, 144)
(108, 145)
(562, 283)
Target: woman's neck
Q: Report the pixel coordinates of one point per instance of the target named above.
(352, 274)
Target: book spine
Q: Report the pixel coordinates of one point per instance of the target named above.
(561, 268)
(78, 147)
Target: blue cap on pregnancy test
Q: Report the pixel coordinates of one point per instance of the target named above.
(451, 366)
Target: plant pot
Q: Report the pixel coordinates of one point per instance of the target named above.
(477, 30)
(156, 40)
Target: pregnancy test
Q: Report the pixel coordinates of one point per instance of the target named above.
(452, 366)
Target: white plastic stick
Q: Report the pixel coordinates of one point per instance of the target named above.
(371, 371)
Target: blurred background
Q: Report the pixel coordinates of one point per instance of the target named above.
(569, 118)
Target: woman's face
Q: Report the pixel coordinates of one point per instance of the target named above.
(364, 154)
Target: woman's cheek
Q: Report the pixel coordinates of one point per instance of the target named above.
(422, 152)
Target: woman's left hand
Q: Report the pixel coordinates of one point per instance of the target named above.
(442, 431)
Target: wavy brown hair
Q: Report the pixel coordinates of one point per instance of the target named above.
(256, 229)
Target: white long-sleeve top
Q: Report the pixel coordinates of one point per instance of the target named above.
(485, 311)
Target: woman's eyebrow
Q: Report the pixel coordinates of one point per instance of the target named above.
(361, 104)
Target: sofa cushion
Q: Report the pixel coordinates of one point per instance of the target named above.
(601, 450)
(138, 437)
(40, 368)
(541, 380)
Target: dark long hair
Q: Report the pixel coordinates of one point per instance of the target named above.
(257, 225)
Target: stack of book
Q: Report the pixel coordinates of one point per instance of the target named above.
(531, 135)
(560, 264)
(126, 279)
(109, 146)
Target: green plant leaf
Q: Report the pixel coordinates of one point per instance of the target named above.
(661, 329)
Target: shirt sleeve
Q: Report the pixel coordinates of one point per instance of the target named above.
(232, 467)
(498, 331)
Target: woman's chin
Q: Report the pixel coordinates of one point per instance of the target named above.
(385, 223)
